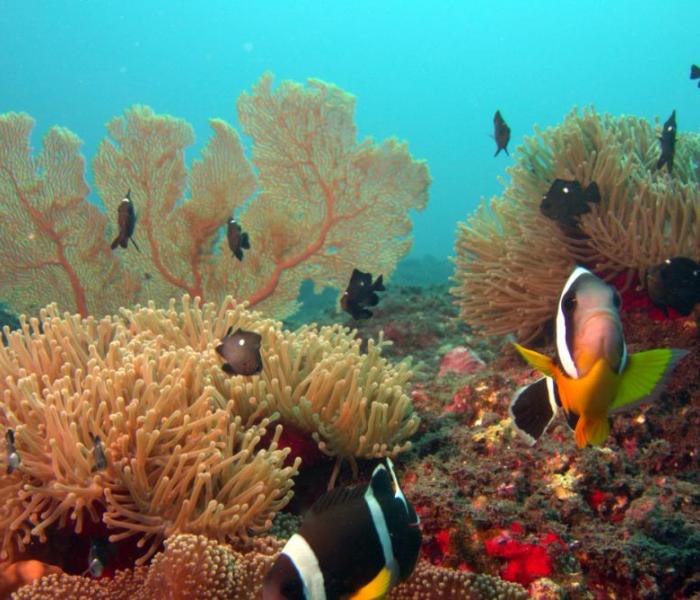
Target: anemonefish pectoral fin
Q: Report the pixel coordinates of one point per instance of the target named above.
(533, 407)
(536, 360)
(645, 376)
(375, 589)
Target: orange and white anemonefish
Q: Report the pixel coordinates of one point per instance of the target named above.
(355, 544)
(592, 374)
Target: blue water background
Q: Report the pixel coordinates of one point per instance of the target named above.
(430, 72)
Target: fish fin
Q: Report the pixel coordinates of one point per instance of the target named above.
(645, 376)
(592, 193)
(115, 243)
(372, 299)
(506, 151)
(376, 589)
(536, 360)
(245, 240)
(133, 241)
(228, 369)
(124, 242)
(219, 349)
(571, 419)
(335, 497)
(378, 285)
(359, 313)
(533, 408)
(592, 431)
(695, 72)
(238, 254)
(497, 151)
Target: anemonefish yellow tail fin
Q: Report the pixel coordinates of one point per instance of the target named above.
(536, 360)
(375, 589)
(591, 431)
(645, 375)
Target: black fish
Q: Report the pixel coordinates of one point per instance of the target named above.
(126, 218)
(360, 293)
(13, 459)
(566, 201)
(675, 283)
(241, 351)
(668, 143)
(237, 239)
(99, 556)
(695, 73)
(501, 133)
(99, 458)
(356, 542)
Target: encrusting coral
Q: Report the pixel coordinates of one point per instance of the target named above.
(182, 439)
(322, 205)
(512, 261)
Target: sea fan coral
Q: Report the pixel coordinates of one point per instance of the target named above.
(511, 260)
(180, 437)
(321, 205)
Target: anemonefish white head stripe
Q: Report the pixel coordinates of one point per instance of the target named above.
(587, 316)
(592, 374)
(355, 543)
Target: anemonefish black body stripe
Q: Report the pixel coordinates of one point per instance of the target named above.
(356, 544)
(592, 374)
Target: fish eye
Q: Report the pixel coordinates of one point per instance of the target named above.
(568, 303)
(565, 190)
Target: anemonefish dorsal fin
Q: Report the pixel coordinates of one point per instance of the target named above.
(375, 589)
(645, 376)
(335, 497)
(536, 360)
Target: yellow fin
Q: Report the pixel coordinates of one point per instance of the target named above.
(592, 431)
(375, 589)
(536, 360)
(645, 375)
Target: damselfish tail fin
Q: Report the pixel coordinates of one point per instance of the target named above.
(694, 72)
(645, 376)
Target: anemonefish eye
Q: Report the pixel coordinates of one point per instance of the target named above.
(569, 302)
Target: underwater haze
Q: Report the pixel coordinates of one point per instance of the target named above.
(431, 73)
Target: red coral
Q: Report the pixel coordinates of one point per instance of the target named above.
(526, 562)
(635, 299)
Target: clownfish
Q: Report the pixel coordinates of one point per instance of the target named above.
(356, 543)
(592, 374)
